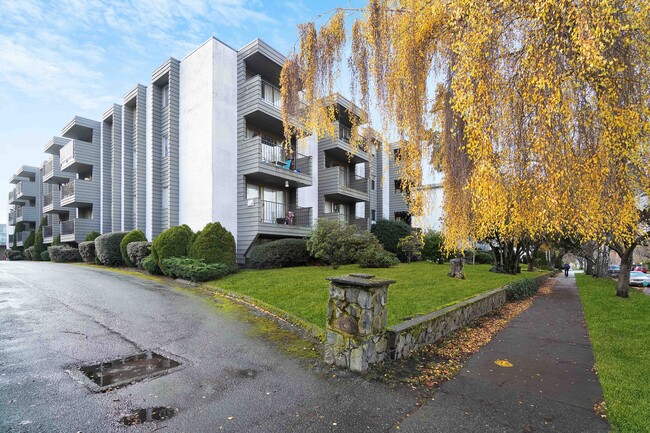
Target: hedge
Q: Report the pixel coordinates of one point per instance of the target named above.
(87, 251)
(90, 236)
(521, 289)
(193, 269)
(375, 256)
(45, 256)
(214, 244)
(132, 236)
(282, 253)
(138, 251)
(389, 233)
(107, 248)
(13, 255)
(63, 253)
(29, 253)
(173, 242)
(149, 264)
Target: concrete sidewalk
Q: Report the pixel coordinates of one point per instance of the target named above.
(550, 387)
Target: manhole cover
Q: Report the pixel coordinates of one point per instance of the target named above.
(151, 414)
(127, 370)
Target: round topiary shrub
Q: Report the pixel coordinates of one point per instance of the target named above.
(132, 236)
(87, 251)
(149, 264)
(107, 248)
(389, 233)
(484, 258)
(282, 253)
(138, 251)
(173, 242)
(45, 256)
(214, 244)
(63, 253)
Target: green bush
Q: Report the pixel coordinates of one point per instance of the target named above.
(331, 242)
(282, 253)
(214, 244)
(29, 253)
(107, 248)
(132, 236)
(389, 233)
(138, 251)
(484, 258)
(173, 242)
(521, 289)
(13, 255)
(149, 264)
(39, 247)
(432, 249)
(89, 237)
(64, 253)
(45, 256)
(375, 256)
(56, 241)
(29, 241)
(411, 246)
(87, 251)
(193, 269)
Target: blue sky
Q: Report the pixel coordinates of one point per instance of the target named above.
(64, 58)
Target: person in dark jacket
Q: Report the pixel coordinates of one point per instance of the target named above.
(566, 269)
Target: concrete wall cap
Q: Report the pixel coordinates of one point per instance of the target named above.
(365, 281)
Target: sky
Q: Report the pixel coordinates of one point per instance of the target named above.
(63, 58)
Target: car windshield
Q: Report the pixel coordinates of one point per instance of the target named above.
(614, 267)
(636, 274)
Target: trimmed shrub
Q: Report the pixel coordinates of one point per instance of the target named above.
(29, 253)
(521, 289)
(331, 242)
(173, 242)
(45, 256)
(149, 264)
(87, 251)
(193, 269)
(389, 233)
(39, 247)
(282, 253)
(214, 244)
(63, 254)
(411, 246)
(89, 237)
(107, 248)
(484, 258)
(132, 236)
(375, 256)
(56, 241)
(13, 255)
(29, 241)
(138, 251)
(432, 249)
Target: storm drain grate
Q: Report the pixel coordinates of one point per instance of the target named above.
(151, 414)
(128, 369)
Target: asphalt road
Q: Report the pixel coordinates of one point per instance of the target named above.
(55, 318)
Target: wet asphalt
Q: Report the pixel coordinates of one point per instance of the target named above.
(55, 318)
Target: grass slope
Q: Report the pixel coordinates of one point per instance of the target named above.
(421, 287)
(620, 334)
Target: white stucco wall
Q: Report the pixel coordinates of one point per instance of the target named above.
(208, 137)
(384, 212)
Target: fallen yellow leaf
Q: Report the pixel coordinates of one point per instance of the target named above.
(503, 363)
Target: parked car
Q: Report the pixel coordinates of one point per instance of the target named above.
(640, 268)
(639, 279)
(613, 270)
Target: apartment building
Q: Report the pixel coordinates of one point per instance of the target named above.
(25, 204)
(201, 143)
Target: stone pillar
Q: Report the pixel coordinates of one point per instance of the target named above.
(356, 321)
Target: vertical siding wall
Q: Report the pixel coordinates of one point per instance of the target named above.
(134, 181)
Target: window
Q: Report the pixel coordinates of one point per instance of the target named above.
(165, 96)
(398, 185)
(372, 183)
(373, 215)
(165, 146)
(165, 198)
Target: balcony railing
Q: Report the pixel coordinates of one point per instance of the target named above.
(19, 212)
(348, 179)
(272, 153)
(270, 212)
(67, 227)
(22, 236)
(47, 231)
(66, 153)
(67, 190)
(48, 199)
(48, 170)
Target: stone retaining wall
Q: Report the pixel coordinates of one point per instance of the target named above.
(426, 329)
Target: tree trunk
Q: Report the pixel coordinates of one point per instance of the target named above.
(623, 282)
(602, 262)
(456, 268)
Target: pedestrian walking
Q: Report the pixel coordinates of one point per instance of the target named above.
(566, 269)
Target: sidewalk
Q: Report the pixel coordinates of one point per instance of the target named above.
(550, 387)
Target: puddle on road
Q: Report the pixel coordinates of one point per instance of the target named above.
(128, 369)
(151, 414)
(246, 374)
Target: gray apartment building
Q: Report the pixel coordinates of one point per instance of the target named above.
(201, 143)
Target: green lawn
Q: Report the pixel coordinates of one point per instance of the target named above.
(421, 287)
(620, 334)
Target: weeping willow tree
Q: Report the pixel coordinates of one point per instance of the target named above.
(537, 112)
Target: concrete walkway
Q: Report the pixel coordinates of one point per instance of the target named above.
(550, 387)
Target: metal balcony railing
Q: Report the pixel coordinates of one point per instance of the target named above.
(282, 213)
(19, 212)
(48, 199)
(67, 190)
(48, 170)
(47, 231)
(275, 154)
(67, 227)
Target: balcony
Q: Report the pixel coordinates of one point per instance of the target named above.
(13, 199)
(340, 147)
(260, 96)
(76, 229)
(22, 237)
(80, 193)
(26, 190)
(339, 184)
(360, 223)
(271, 218)
(267, 162)
(11, 218)
(54, 146)
(15, 179)
(27, 214)
(79, 156)
(50, 232)
(52, 204)
(52, 171)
